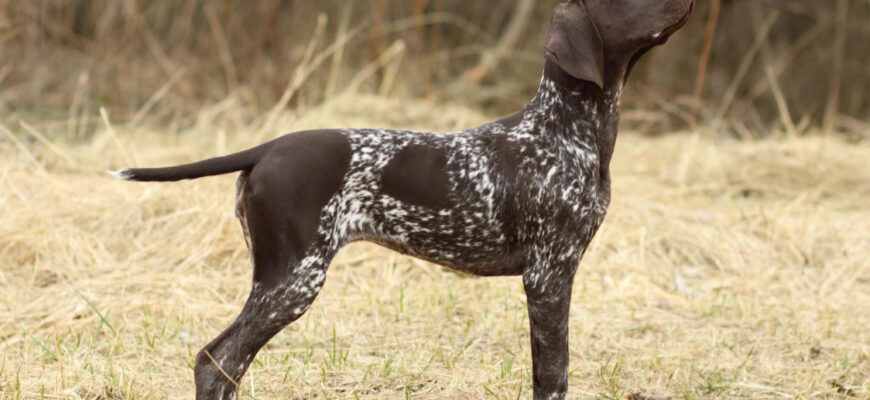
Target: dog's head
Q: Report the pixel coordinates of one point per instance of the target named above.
(600, 40)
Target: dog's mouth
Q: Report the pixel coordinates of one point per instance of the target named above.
(663, 34)
(658, 38)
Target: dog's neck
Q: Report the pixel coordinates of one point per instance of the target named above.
(574, 110)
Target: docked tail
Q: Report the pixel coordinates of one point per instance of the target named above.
(243, 160)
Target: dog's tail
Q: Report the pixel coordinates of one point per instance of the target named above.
(243, 160)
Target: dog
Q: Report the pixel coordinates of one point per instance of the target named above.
(523, 195)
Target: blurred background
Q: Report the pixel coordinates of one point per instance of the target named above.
(744, 67)
(733, 263)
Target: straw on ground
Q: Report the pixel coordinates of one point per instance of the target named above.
(724, 270)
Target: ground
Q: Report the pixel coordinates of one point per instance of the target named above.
(725, 269)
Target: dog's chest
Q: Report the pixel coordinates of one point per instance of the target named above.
(559, 192)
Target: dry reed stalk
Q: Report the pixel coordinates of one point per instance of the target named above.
(104, 115)
(782, 62)
(150, 39)
(21, 146)
(156, 97)
(391, 69)
(226, 57)
(490, 58)
(51, 146)
(760, 38)
(301, 72)
(394, 52)
(781, 103)
(73, 114)
(701, 76)
(842, 20)
(338, 57)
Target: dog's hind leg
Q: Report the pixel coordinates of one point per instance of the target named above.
(290, 256)
(221, 364)
(270, 307)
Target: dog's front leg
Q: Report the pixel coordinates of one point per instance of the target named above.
(548, 293)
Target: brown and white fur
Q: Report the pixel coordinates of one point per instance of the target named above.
(523, 195)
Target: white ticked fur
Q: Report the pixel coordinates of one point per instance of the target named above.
(123, 174)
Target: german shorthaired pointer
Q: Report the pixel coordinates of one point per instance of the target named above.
(520, 196)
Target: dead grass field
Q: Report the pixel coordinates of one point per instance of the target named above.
(724, 270)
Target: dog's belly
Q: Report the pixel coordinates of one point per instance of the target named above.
(465, 240)
(475, 261)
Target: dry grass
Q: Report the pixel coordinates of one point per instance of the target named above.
(725, 270)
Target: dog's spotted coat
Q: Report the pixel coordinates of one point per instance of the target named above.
(559, 213)
(520, 196)
(523, 196)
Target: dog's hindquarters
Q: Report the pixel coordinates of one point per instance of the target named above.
(284, 204)
(309, 193)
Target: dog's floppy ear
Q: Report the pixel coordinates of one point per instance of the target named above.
(573, 43)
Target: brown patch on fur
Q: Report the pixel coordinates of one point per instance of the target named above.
(418, 175)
